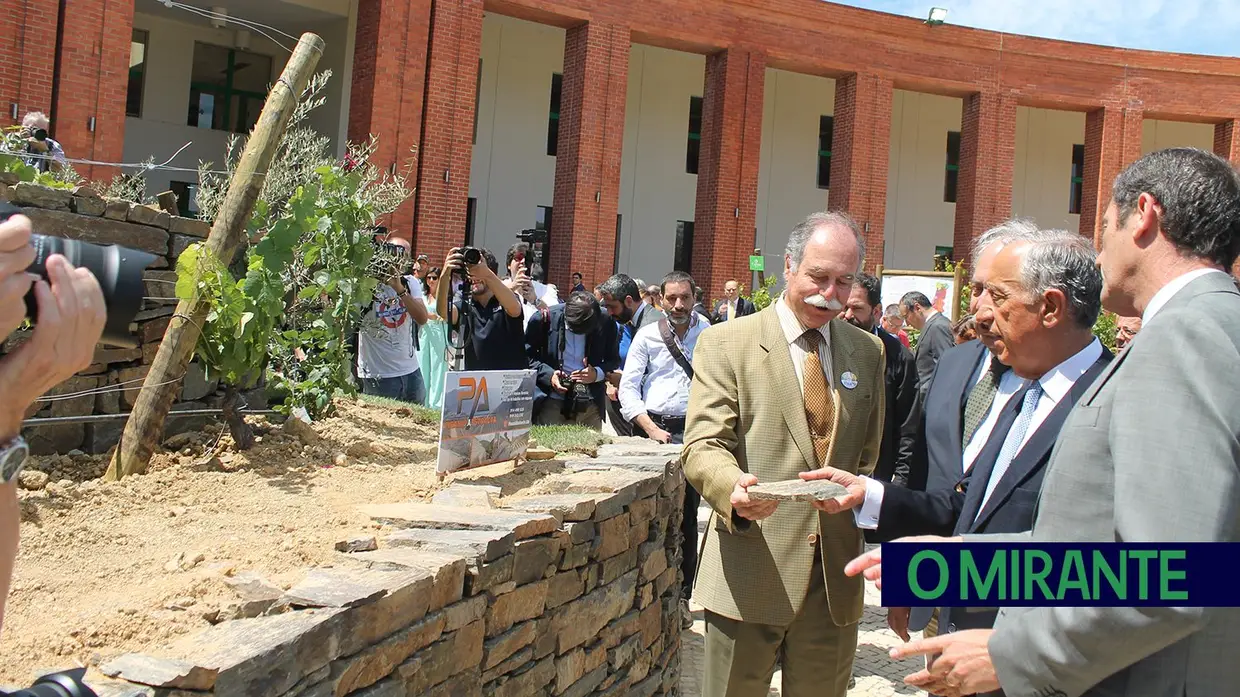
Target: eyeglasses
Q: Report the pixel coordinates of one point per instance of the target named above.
(432, 278)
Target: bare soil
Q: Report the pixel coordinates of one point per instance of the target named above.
(111, 567)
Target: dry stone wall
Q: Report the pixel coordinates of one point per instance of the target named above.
(569, 588)
(82, 214)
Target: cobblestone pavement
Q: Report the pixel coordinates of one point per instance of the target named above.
(876, 674)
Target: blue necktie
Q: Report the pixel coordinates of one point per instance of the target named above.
(1015, 438)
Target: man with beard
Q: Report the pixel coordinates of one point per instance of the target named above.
(900, 427)
(773, 394)
(624, 299)
(654, 395)
(494, 332)
(572, 346)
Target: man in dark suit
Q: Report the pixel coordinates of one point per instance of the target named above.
(1044, 337)
(732, 305)
(864, 309)
(1148, 455)
(572, 346)
(935, 336)
(622, 296)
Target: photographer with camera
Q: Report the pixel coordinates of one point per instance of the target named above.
(487, 317)
(70, 321)
(387, 342)
(535, 295)
(573, 346)
(42, 153)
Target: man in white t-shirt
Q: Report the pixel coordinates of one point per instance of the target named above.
(387, 353)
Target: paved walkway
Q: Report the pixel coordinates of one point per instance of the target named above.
(877, 675)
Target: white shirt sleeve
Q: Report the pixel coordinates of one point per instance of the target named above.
(866, 516)
(415, 287)
(631, 402)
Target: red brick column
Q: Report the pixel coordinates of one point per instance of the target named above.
(448, 126)
(93, 81)
(389, 78)
(860, 146)
(727, 187)
(1112, 141)
(987, 159)
(1227, 140)
(28, 57)
(587, 164)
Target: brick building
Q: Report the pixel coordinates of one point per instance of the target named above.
(645, 134)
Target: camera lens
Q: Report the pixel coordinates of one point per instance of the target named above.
(64, 684)
(118, 270)
(472, 256)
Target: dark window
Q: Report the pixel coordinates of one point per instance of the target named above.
(553, 122)
(137, 73)
(953, 167)
(543, 222)
(684, 245)
(615, 257)
(471, 210)
(825, 126)
(477, 96)
(187, 203)
(695, 136)
(228, 88)
(1078, 179)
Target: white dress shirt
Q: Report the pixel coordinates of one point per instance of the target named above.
(653, 382)
(1056, 384)
(1166, 292)
(793, 329)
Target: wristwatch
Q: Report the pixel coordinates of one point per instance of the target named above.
(13, 455)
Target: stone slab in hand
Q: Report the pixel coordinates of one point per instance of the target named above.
(796, 490)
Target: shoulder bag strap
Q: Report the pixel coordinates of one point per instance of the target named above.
(665, 330)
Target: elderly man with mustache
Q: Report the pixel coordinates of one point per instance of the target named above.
(775, 394)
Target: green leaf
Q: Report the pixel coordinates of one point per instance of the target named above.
(245, 319)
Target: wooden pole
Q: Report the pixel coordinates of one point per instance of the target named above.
(145, 427)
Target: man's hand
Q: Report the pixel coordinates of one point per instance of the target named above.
(585, 376)
(750, 510)
(897, 621)
(845, 502)
(613, 393)
(71, 318)
(16, 255)
(870, 564)
(963, 666)
(556, 384)
(396, 284)
(454, 261)
(660, 436)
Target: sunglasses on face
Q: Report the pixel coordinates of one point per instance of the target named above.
(432, 278)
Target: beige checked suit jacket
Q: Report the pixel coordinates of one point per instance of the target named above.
(746, 414)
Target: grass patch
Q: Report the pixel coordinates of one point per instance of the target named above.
(422, 415)
(569, 439)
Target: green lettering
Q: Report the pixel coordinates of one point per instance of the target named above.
(1102, 567)
(972, 579)
(1014, 579)
(1143, 557)
(915, 586)
(1072, 575)
(1166, 574)
(1039, 576)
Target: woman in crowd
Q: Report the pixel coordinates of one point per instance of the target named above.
(434, 343)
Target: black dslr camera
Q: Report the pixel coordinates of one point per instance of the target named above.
(472, 256)
(66, 683)
(118, 270)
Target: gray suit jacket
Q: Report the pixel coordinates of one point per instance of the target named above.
(1149, 454)
(935, 340)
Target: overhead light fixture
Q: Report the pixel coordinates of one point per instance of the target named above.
(242, 40)
(221, 17)
(938, 15)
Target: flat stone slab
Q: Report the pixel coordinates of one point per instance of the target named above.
(488, 545)
(436, 517)
(643, 463)
(797, 490)
(467, 496)
(621, 447)
(336, 588)
(568, 507)
(159, 672)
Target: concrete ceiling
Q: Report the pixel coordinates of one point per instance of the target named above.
(291, 16)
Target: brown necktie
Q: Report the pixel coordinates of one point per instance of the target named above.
(980, 399)
(819, 406)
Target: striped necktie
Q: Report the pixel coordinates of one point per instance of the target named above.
(819, 406)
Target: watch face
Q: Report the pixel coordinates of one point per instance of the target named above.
(12, 459)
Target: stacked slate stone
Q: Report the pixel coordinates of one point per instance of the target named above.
(81, 214)
(571, 592)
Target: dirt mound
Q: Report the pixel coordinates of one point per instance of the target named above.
(110, 567)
